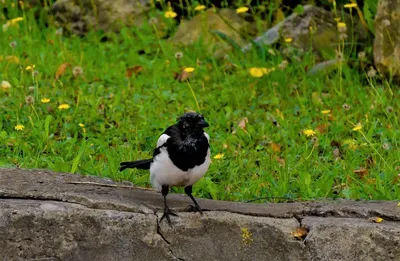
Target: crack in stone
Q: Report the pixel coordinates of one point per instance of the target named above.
(159, 229)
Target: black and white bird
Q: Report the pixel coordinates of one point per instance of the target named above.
(181, 158)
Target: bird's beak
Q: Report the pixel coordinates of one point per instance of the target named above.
(203, 123)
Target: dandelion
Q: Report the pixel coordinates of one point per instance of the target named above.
(309, 132)
(30, 67)
(170, 14)
(389, 109)
(12, 22)
(31, 88)
(81, 125)
(200, 7)
(350, 5)
(283, 64)
(5, 85)
(267, 70)
(153, 20)
(342, 37)
(371, 73)
(13, 44)
(346, 107)
(325, 111)
(178, 55)
(357, 127)
(242, 9)
(77, 71)
(219, 156)
(63, 106)
(19, 127)
(288, 40)
(361, 56)
(29, 100)
(256, 72)
(385, 146)
(45, 100)
(59, 31)
(342, 28)
(35, 73)
(189, 69)
(385, 23)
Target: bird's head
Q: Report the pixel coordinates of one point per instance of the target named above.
(192, 121)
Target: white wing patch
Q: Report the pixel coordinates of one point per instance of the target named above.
(207, 136)
(163, 139)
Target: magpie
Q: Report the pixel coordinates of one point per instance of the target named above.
(181, 158)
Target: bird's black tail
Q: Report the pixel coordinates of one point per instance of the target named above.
(139, 164)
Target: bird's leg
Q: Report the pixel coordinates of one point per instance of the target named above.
(167, 211)
(196, 207)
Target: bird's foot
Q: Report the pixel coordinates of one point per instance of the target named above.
(195, 208)
(167, 213)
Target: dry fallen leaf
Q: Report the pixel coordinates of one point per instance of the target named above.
(376, 219)
(300, 233)
(61, 70)
(361, 172)
(133, 70)
(280, 161)
(275, 147)
(322, 128)
(242, 123)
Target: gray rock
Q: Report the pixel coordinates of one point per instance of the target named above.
(352, 239)
(57, 216)
(315, 29)
(80, 16)
(387, 37)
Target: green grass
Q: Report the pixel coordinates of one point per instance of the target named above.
(123, 117)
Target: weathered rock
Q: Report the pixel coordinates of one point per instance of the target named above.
(56, 216)
(352, 239)
(204, 27)
(315, 29)
(387, 37)
(80, 16)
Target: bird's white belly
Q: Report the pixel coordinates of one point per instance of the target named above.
(164, 172)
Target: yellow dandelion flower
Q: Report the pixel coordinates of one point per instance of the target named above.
(19, 127)
(170, 14)
(288, 40)
(309, 132)
(350, 5)
(377, 220)
(357, 127)
(81, 125)
(45, 100)
(189, 69)
(267, 70)
(30, 67)
(14, 21)
(63, 106)
(398, 205)
(256, 72)
(219, 156)
(341, 25)
(325, 111)
(200, 7)
(242, 9)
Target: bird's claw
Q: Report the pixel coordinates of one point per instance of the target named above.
(195, 208)
(167, 213)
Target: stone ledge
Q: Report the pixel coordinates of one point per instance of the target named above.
(58, 216)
